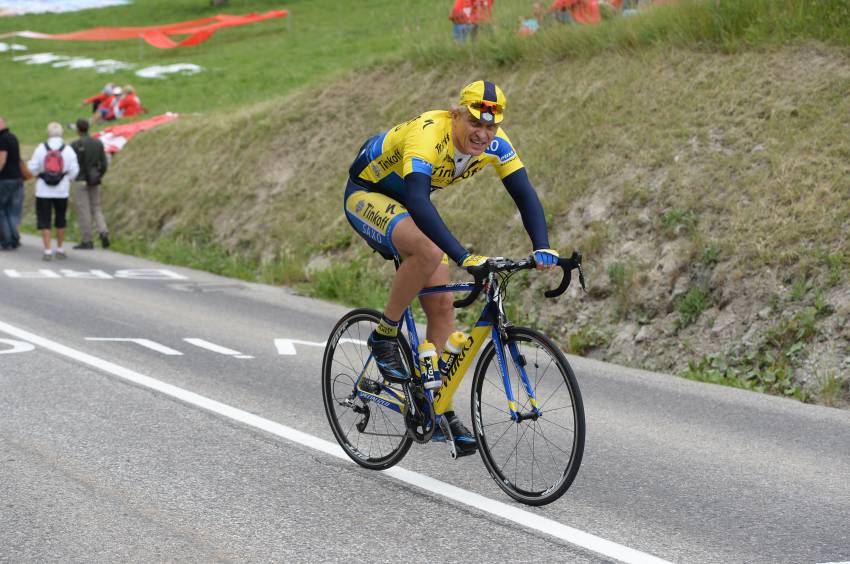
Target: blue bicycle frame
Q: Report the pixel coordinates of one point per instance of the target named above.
(492, 323)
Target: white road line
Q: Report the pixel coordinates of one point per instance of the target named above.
(17, 346)
(215, 348)
(287, 346)
(522, 517)
(147, 343)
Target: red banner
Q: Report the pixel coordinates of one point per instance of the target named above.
(158, 35)
(115, 137)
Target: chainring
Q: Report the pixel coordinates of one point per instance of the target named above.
(419, 416)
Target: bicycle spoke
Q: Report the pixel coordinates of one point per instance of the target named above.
(551, 455)
(540, 432)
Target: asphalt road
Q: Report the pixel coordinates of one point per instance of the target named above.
(151, 412)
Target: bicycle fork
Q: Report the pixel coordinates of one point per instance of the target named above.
(519, 362)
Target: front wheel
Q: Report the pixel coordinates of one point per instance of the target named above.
(533, 458)
(358, 403)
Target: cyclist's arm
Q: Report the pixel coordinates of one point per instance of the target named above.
(530, 208)
(418, 202)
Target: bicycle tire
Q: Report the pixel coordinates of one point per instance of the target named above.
(383, 440)
(560, 429)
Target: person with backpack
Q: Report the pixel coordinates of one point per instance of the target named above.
(54, 164)
(92, 159)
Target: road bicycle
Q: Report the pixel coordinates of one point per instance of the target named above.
(527, 412)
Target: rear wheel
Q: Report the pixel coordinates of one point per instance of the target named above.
(535, 460)
(367, 428)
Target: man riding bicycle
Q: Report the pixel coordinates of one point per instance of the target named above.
(387, 201)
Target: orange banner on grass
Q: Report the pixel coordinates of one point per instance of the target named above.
(115, 137)
(158, 35)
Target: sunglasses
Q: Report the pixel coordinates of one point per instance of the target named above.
(485, 106)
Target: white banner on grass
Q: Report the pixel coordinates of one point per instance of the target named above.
(18, 7)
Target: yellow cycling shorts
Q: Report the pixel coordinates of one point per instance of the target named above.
(374, 216)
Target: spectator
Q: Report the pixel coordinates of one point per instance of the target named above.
(129, 105)
(461, 17)
(98, 99)
(11, 188)
(106, 110)
(55, 164)
(92, 160)
(468, 15)
(563, 10)
(528, 26)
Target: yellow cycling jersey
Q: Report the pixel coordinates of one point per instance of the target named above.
(424, 144)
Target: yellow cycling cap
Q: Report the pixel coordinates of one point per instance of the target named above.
(484, 100)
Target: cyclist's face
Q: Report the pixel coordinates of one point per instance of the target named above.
(470, 135)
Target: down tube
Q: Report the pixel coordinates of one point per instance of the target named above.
(443, 397)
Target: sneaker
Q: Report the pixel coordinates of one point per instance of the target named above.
(104, 240)
(60, 255)
(85, 245)
(47, 256)
(465, 442)
(388, 359)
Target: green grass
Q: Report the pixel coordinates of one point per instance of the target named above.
(727, 26)
(691, 305)
(243, 65)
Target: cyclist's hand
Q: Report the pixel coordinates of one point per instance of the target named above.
(474, 263)
(473, 260)
(546, 258)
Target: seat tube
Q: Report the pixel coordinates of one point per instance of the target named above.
(412, 337)
(506, 377)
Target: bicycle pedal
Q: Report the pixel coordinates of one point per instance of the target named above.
(461, 453)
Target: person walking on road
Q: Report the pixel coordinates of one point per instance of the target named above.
(11, 189)
(93, 164)
(55, 164)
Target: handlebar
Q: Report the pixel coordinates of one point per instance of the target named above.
(500, 264)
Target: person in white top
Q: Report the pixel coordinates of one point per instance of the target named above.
(55, 165)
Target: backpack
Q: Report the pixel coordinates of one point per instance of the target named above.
(54, 166)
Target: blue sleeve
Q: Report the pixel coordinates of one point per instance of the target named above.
(417, 190)
(530, 208)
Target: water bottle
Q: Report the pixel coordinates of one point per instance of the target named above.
(452, 349)
(427, 365)
(448, 365)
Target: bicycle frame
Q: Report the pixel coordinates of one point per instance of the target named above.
(492, 321)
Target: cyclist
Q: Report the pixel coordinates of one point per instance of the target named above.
(387, 201)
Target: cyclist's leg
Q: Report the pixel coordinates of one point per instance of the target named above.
(439, 309)
(423, 265)
(377, 217)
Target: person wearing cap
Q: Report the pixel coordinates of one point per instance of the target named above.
(93, 164)
(387, 201)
